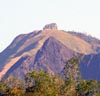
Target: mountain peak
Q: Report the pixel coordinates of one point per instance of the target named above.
(50, 26)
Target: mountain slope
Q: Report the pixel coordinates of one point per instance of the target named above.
(51, 57)
(95, 43)
(54, 55)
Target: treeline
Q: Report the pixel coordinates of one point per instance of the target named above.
(41, 83)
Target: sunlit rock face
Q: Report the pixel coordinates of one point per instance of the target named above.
(50, 26)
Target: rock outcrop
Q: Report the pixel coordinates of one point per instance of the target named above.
(50, 26)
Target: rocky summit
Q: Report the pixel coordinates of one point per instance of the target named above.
(50, 26)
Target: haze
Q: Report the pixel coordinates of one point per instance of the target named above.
(23, 16)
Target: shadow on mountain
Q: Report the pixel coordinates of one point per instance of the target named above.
(16, 65)
(52, 56)
(27, 48)
(90, 67)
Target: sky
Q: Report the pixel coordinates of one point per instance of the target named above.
(24, 16)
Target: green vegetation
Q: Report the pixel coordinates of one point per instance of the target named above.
(41, 83)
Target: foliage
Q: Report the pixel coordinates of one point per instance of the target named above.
(71, 69)
(44, 84)
(3, 87)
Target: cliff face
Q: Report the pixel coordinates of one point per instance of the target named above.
(47, 49)
(52, 56)
(90, 67)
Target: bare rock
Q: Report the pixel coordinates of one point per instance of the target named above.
(50, 26)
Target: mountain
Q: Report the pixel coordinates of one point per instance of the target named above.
(46, 49)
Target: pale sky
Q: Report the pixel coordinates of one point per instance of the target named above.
(24, 16)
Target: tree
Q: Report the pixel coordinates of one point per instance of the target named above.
(71, 69)
(16, 86)
(3, 87)
(68, 88)
(44, 84)
(86, 88)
